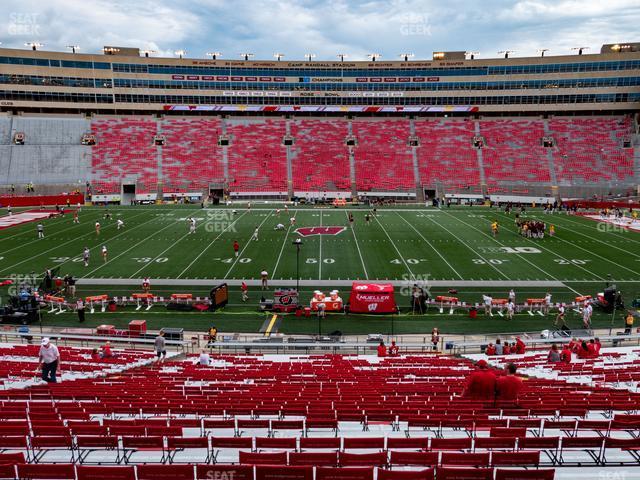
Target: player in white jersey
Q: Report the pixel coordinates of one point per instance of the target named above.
(279, 227)
(104, 253)
(587, 311)
(97, 228)
(511, 308)
(85, 256)
(292, 220)
(192, 225)
(255, 234)
(119, 224)
(547, 304)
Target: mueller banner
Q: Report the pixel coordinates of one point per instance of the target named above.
(372, 298)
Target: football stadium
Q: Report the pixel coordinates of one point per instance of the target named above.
(252, 267)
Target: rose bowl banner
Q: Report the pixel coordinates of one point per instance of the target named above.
(372, 298)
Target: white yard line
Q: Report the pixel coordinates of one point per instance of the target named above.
(353, 231)
(73, 240)
(431, 245)
(520, 256)
(128, 249)
(211, 243)
(395, 247)
(575, 245)
(284, 242)
(248, 243)
(467, 245)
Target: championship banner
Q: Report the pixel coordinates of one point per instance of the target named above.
(372, 298)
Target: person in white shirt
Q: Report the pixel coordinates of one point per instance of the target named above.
(512, 296)
(547, 304)
(204, 358)
(85, 256)
(487, 300)
(264, 275)
(279, 227)
(255, 234)
(119, 224)
(192, 225)
(104, 253)
(511, 308)
(49, 361)
(586, 316)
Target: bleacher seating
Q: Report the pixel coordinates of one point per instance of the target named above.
(446, 155)
(589, 150)
(383, 159)
(191, 158)
(328, 416)
(513, 153)
(320, 160)
(257, 157)
(124, 151)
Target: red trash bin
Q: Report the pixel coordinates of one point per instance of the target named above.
(473, 312)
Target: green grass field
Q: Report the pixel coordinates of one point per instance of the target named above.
(440, 248)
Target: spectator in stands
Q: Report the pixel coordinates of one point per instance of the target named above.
(554, 355)
(490, 350)
(106, 350)
(435, 338)
(95, 355)
(160, 347)
(583, 350)
(628, 323)
(508, 387)
(204, 359)
(506, 349)
(393, 349)
(566, 354)
(481, 384)
(49, 361)
(499, 350)
(520, 346)
(382, 350)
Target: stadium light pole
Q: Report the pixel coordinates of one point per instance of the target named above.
(580, 49)
(542, 51)
(297, 243)
(180, 53)
(278, 56)
(147, 52)
(472, 55)
(34, 45)
(342, 56)
(214, 55)
(246, 56)
(374, 56)
(506, 53)
(309, 56)
(406, 56)
(73, 48)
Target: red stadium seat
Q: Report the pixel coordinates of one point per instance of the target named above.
(278, 472)
(86, 472)
(326, 459)
(165, 472)
(237, 472)
(542, 474)
(352, 473)
(426, 474)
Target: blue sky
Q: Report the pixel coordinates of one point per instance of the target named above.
(294, 28)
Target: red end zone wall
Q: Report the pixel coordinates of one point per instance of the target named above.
(36, 201)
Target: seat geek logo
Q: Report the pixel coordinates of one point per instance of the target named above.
(23, 24)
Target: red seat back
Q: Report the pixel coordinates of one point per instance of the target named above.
(86, 472)
(541, 474)
(278, 472)
(427, 474)
(165, 472)
(357, 473)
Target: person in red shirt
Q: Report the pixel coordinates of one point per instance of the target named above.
(566, 354)
(520, 346)
(597, 345)
(506, 350)
(95, 355)
(382, 350)
(481, 384)
(583, 350)
(508, 387)
(490, 350)
(106, 350)
(393, 349)
(236, 247)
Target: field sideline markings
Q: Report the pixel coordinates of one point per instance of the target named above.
(466, 244)
(584, 249)
(393, 244)
(429, 243)
(320, 254)
(353, 231)
(519, 255)
(247, 244)
(284, 242)
(211, 243)
(69, 241)
(130, 248)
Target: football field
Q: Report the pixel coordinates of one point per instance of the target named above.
(439, 249)
(453, 246)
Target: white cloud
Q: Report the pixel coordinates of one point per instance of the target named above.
(326, 28)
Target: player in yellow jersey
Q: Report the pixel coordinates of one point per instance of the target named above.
(494, 228)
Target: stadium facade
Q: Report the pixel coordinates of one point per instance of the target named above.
(130, 124)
